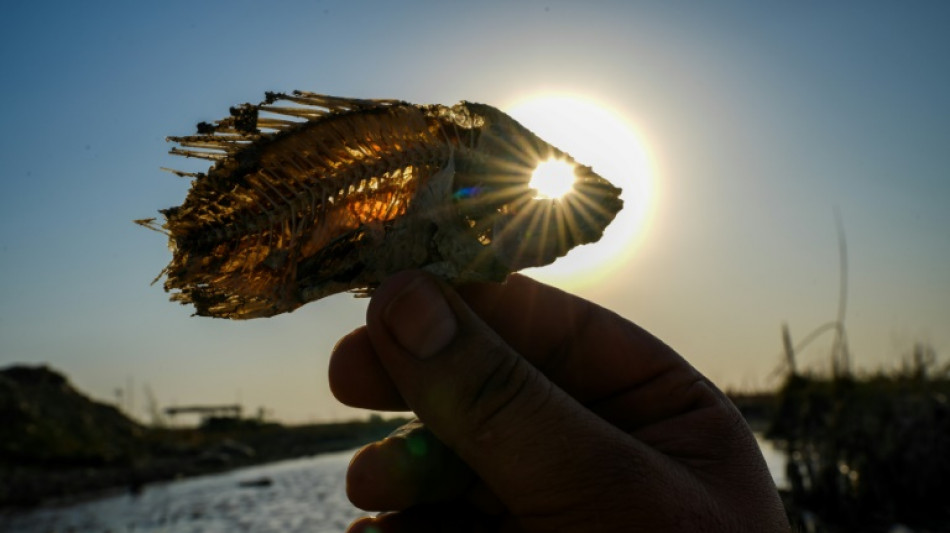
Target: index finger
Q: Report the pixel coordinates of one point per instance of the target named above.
(586, 349)
(603, 360)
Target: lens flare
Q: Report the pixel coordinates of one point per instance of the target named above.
(552, 179)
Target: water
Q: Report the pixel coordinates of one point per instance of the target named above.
(304, 495)
(775, 459)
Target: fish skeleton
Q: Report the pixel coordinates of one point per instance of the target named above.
(310, 195)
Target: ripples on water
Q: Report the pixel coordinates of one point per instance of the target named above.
(306, 495)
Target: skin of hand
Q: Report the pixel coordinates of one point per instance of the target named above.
(541, 412)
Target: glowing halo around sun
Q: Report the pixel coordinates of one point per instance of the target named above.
(597, 137)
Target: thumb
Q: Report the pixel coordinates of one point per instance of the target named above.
(529, 441)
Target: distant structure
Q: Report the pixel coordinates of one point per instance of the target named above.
(207, 412)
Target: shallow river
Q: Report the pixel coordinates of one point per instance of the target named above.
(305, 495)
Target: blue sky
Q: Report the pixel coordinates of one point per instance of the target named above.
(759, 121)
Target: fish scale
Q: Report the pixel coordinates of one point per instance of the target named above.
(311, 195)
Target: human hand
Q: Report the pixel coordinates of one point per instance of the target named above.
(542, 412)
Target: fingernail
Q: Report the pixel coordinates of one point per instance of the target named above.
(420, 318)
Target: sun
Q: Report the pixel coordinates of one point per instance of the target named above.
(553, 179)
(597, 136)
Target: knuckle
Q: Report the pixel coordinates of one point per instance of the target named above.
(506, 394)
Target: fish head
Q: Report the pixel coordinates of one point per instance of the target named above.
(500, 194)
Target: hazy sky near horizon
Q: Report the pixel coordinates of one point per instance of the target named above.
(757, 121)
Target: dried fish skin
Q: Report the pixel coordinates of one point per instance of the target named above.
(310, 195)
